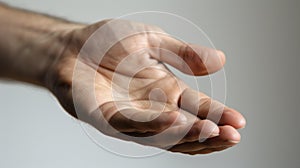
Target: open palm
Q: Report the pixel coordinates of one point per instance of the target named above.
(125, 91)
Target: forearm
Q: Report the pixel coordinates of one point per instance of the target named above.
(30, 43)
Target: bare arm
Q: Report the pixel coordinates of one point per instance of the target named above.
(30, 43)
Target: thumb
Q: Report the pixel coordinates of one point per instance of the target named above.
(189, 58)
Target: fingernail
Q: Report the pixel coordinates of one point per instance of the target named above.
(235, 142)
(221, 55)
(242, 123)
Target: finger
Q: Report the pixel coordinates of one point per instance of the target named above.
(228, 137)
(204, 107)
(190, 131)
(176, 134)
(133, 120)
(192, 59)
(126, 117)
(201, 129)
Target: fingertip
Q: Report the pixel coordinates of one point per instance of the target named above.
(230, 134)
(222, 56)
(241, 123)
(212, 60)
(233, 118)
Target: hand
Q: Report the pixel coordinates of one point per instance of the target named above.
(130, 94)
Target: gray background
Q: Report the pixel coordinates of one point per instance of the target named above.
(261, 40)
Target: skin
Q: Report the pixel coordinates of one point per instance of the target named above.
(155, 104)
